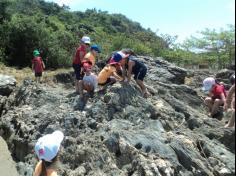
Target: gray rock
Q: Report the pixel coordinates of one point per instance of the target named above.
(7, 85)
(119, 132)
(7, 165)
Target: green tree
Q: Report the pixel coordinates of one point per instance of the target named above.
(220, 44)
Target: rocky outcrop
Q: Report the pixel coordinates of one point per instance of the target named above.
(164, 71)
(7, 85)
(7, 166)
(119, 133)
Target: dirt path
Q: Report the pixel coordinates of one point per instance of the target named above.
(7, 165)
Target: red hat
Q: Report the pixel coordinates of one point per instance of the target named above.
(87, 66)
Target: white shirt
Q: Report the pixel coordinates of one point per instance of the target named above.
(91, 79)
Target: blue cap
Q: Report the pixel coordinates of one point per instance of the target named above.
(117, 57)
(96, 48)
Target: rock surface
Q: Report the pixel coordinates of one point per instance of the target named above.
(7, 165)
(118, 133)
(7, 84)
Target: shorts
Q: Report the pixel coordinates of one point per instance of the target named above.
(77, 69)
(38, 74)
(107, 82)
(141, 74)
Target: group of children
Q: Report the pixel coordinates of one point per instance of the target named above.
(218, 96)
(120, 67)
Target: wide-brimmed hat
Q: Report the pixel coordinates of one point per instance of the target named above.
(208, 83)
(48, 146)
(86, 40)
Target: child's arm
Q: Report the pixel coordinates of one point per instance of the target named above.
(33, 66)
(123, 72)
(223, 98)
(81, 54)
(43, 65)
(117, 76)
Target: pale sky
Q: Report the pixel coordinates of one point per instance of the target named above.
(174, 17)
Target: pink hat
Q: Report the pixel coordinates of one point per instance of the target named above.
(113, 62)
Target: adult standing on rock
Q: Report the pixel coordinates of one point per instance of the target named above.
(77, 61)
(47, 149)
(216, 95)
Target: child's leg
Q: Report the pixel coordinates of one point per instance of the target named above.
(142, 87)
(209, 103)
(89, 88)
(139, 80)
(231, 122)
(37, 79)
(81, 88)
(110, 82)
(77, 86)
(216, 106)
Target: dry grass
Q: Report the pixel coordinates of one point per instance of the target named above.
(22, 74)
(189, 81)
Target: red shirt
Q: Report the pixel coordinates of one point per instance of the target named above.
(217, 91)
(77, 59)
(38, 64)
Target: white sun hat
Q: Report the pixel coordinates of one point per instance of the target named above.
(208, 83)
(48, 146)
(86, 40)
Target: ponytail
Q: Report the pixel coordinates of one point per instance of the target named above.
(44, 168)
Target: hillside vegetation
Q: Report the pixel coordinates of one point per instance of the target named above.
(26, 25)
(56, 31)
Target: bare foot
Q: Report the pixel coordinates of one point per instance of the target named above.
(145, 95)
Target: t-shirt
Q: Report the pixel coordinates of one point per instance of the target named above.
(105, 74)
(89, 57)
(77, 60)
(217, 91)
(92, 79)
(138, 65)
(38, 64)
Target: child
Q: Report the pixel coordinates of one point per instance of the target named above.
(89, 82)
(139, 70)
(91, 56)
(217, 95)
(47, 149)
(77, 61)
(108, 75)
(37, 66)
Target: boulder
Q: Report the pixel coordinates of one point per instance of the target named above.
(7, 85)
(7, 166)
